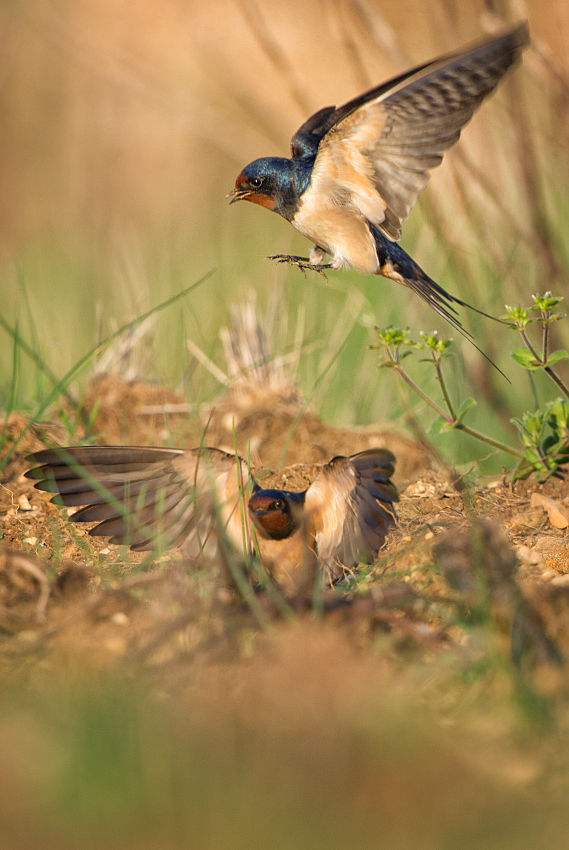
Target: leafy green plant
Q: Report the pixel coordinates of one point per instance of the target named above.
(544, 434)
(528, 356)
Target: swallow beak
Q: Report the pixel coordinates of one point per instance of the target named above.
(237, 195)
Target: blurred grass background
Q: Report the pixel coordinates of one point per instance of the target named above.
(123, 127)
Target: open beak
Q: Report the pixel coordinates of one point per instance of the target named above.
(238, 195)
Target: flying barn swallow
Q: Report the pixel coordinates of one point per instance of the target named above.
(148, 497)
(356, 171)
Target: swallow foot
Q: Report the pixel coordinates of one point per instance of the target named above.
(303, 263)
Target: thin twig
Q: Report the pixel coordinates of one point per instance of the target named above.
(545, 338)
(443, 385)
(553, 375)
(451, 419)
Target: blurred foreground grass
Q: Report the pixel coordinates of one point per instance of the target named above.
(308, 744)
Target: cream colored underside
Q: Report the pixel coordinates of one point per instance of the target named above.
(342, 197)
(290, 562)
(341, 231)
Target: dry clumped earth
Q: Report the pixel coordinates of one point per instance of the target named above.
(458, 551)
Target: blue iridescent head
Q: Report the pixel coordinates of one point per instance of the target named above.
(268, 182)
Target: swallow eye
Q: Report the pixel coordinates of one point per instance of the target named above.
(278, 505)
(255, 182)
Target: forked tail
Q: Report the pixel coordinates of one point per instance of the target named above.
(396, 264)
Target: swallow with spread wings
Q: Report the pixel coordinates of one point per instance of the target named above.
(158, 497)
(356, 171)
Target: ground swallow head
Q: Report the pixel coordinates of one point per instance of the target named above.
(271, 513)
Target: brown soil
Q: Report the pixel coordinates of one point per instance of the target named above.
(260, 421)
(62, 590)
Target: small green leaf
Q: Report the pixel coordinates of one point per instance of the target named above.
(546, 303)
(435, 344)
(532, 456)
(464, 407)
(394, 336)
(551, 445)
(556, 356)
(531, 462)
(553, 317)
(439, 426)
(518, 315)
(525, 358)
(557, 413)
(531, 427)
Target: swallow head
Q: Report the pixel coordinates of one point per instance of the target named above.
(268, 182)
(275, 512)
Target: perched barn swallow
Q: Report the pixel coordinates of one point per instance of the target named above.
(356, 171)
(149, 497)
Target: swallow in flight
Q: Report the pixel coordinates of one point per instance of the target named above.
(356, 171)
(158, 497)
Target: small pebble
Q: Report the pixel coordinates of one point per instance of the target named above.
(24, 503)
(31, 540)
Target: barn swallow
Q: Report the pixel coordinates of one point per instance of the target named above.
(149, 497)
(356, 171)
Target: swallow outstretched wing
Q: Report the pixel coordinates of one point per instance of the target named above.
(376, 151)
(356, 170)
(156, 498)
(349, 509)
(149, 497)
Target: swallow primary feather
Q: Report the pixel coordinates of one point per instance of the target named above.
(356, 170)
(158, 497)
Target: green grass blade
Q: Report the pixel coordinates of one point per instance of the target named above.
(62, 384)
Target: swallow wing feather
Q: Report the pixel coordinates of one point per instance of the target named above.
(350, 508)
(148, 496)
(381, 146)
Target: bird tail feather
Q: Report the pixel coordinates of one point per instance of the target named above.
(395, 263)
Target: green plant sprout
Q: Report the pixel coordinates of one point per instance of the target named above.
(520, 317)
(544, 434)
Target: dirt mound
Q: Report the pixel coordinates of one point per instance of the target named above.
(265, 423)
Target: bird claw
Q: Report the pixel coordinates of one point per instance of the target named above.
(303, 263)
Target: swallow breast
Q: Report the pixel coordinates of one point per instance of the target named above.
(326, 216)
